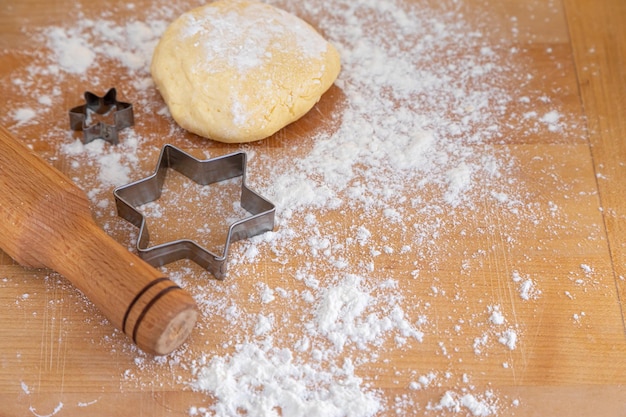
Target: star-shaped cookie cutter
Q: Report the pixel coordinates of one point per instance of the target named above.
(80, 117)
(203, 172)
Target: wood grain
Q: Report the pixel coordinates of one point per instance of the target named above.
(56, 347)
(597, 32)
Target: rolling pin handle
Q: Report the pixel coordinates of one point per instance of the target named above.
(47, 222)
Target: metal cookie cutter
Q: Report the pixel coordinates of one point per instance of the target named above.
(203, 172)
(80, 117)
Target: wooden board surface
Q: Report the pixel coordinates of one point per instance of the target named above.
(536, 231)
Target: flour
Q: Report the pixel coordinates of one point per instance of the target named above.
(527, 288)
(552, 120)
(54, 412)
(87, 404)
(24, 115)
(586, 268)
(497, 330)
(509, 339)
(25, 387)
(260, 382)
(343, 317)
(112, 171)
(264, 324)
(407, 159)
(467, 403)
(130, 44)
(267, 293)
(496, 317)
(579, 316)
(73, 53)
(113, 164)
(424, 381)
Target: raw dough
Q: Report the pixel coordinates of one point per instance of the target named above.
(239, 70)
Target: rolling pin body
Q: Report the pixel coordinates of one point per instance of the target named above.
(45, 221)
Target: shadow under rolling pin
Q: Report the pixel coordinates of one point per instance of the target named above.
(46, 221)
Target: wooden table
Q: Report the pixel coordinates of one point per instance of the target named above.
(565, 238)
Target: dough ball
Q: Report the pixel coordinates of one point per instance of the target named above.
(239, 70)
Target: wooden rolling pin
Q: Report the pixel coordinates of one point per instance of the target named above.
(46, 221)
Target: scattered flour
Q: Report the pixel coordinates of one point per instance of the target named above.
(509, 339)
(267, 382)
(409, 145)
(25, 388)
(112, 171)
(73, 54)
(264, 324)
(552, 120)
(24, 115)
(342, 316)
(496, 321)
(54, 412)
(496, 317)
(579, 316)
(586, 268)
(465, 403)
(527, 288)
(87, 404)
(424, 381)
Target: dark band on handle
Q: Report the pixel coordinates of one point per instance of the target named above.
(137, 297)
(149, 305)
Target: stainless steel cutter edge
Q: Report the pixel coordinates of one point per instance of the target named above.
(203, 172)
(123, 117)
